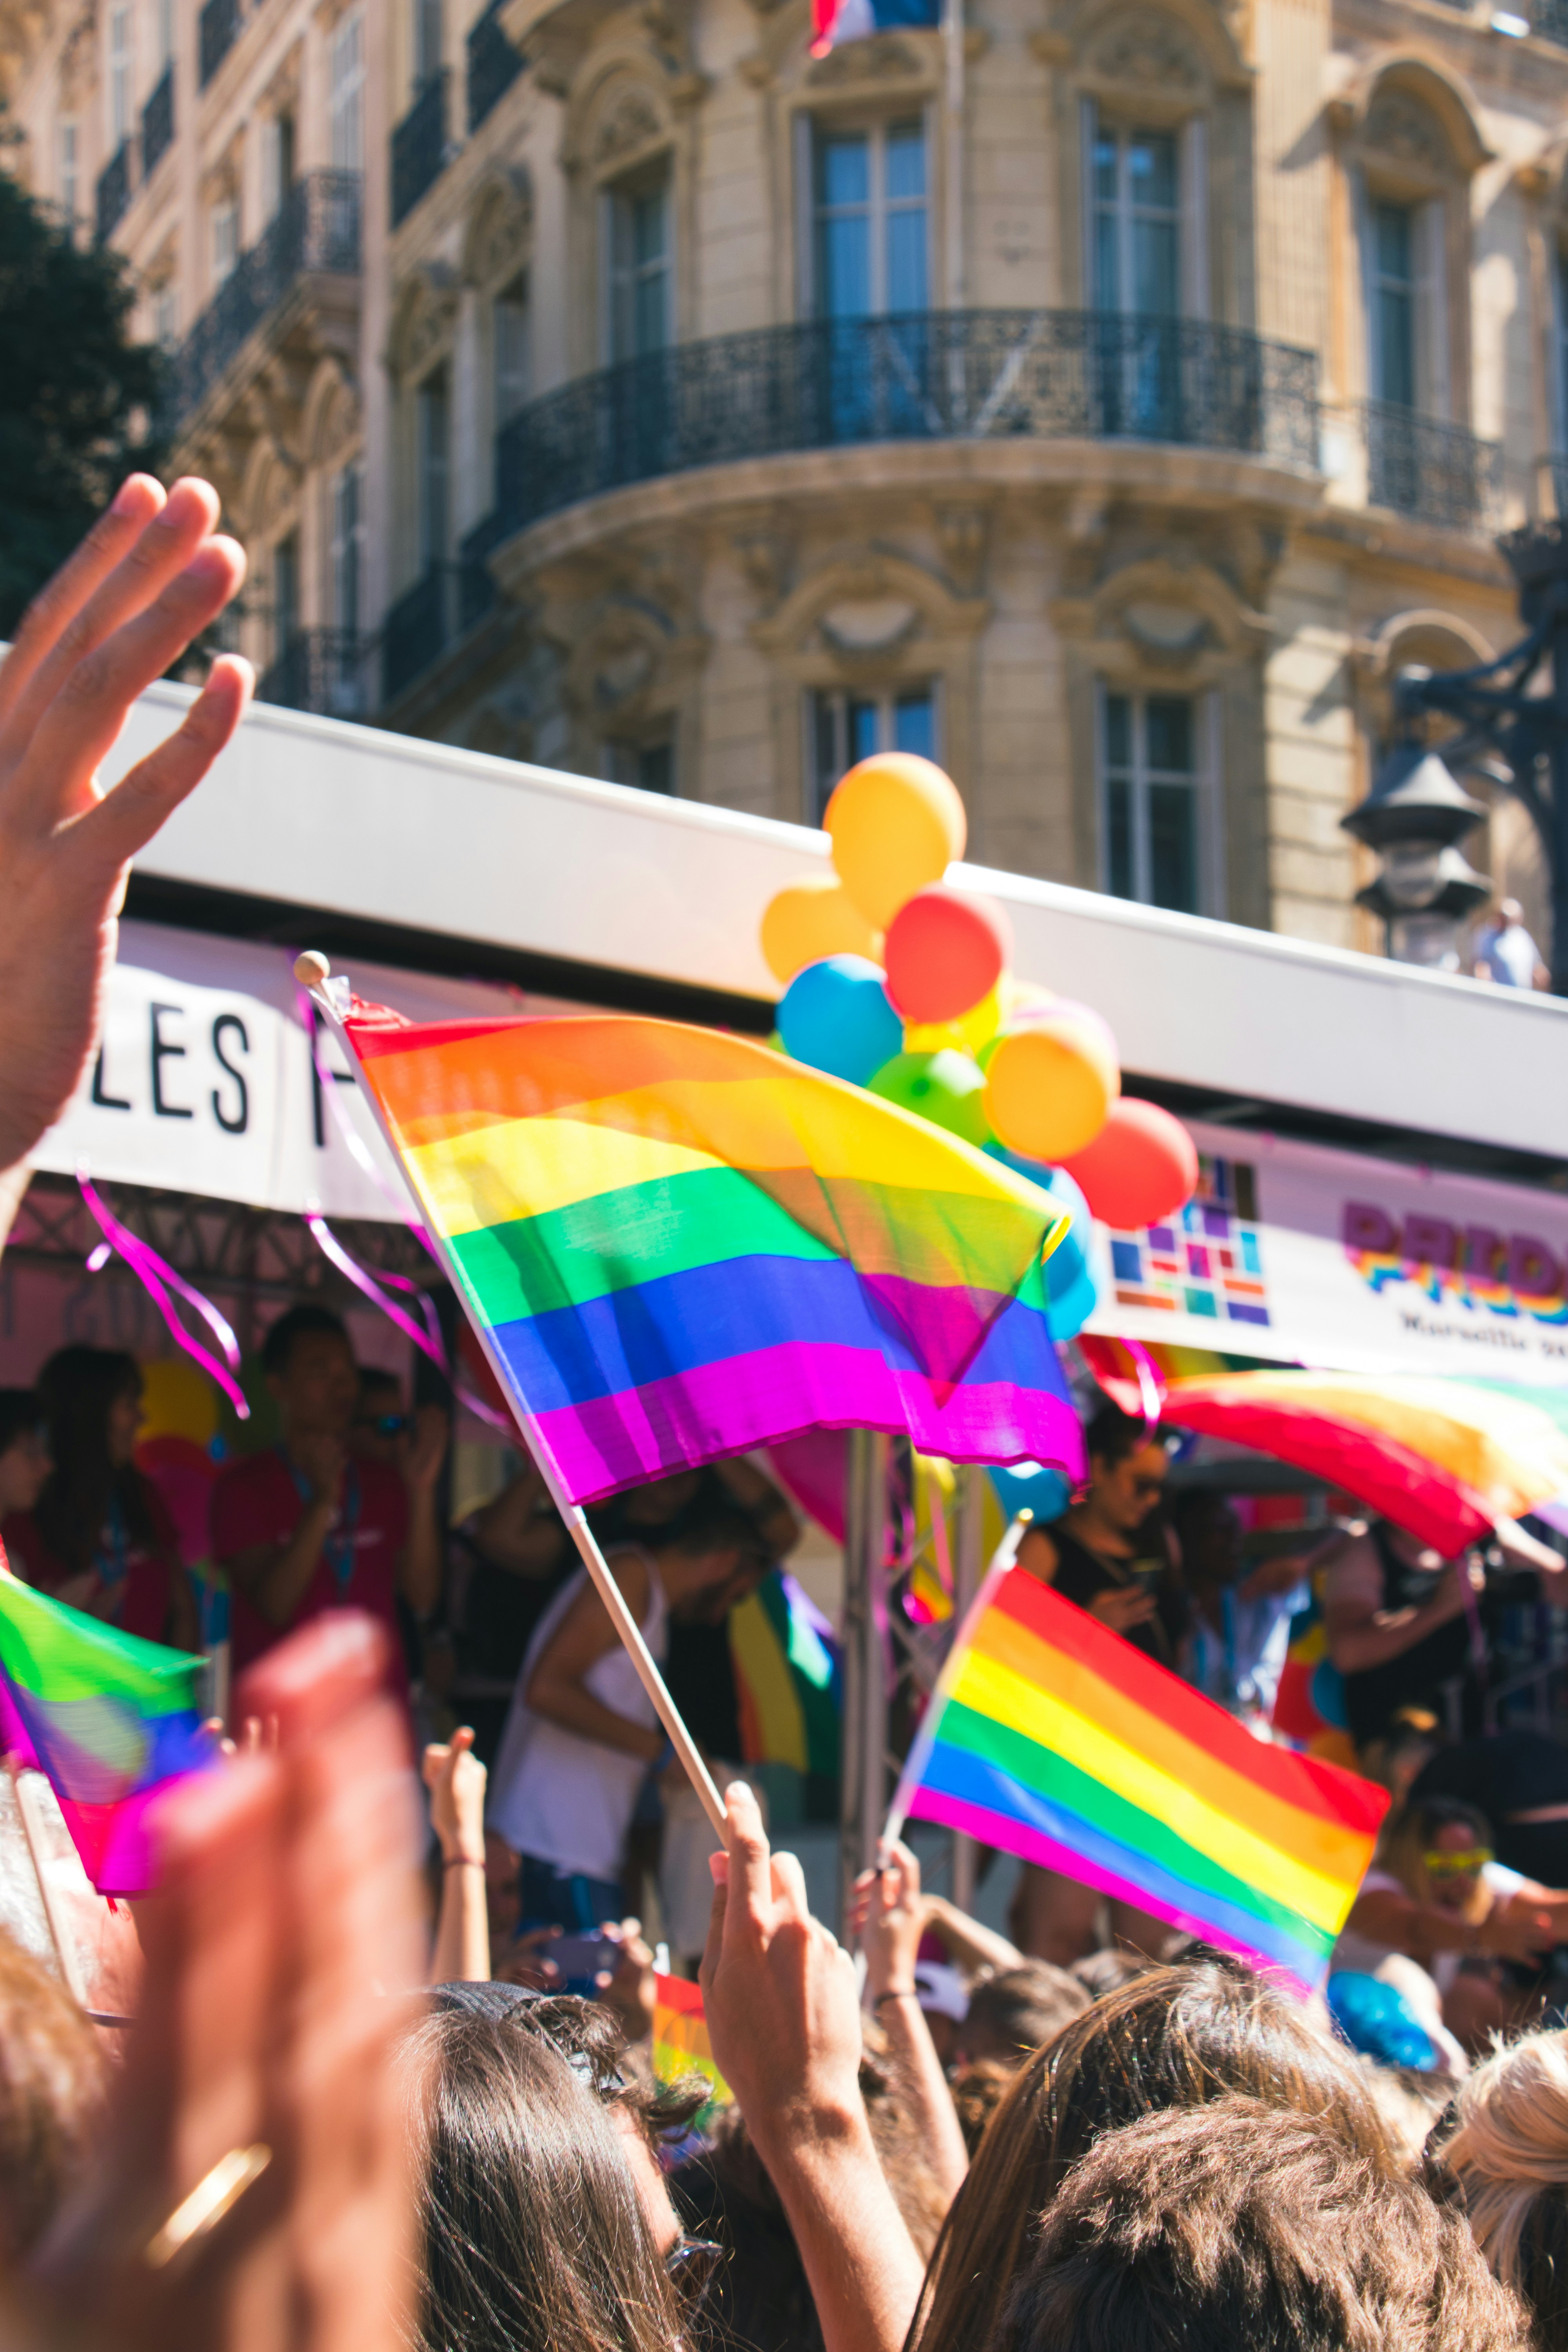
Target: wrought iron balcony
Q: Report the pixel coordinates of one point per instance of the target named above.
(931, 375)
(419, 149)
(445, 601)
(1436, 471)
(158, 124)
(316, 228)
(217, 32)
(329, 671)
(1549, 18)
(493, 66)
(113, 192)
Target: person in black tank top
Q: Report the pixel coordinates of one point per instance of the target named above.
(1397, 1627)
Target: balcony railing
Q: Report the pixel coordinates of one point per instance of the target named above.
(317, 227)
(329, 671)
(158, 124)
(420, 147)
(1549, 18)
(217, 30)
(444, 603)
(1437, 472)
(935, 375)
(113, 193)
(493, 66)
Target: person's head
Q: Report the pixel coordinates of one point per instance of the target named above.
(1209, 1533)
(1507, 2148)
(52, 2087)
(1173, 2037)
(1127, 1467)
(1509, 912)
(1437, 1848)
(93, 1404)
(310, 1370)
(1396, 1760)
(545, 2225)
(25, 1457)
(379, 1419)
(1246, 2227)
(716, 1559)
(661, 1501)
(1016, 2010)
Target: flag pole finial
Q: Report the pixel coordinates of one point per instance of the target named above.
(312, 968)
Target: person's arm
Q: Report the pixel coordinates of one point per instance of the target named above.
(275, 1577)
(555, 1687)
(1120, 1606)
(784, 2016)
(419, 1562)
(769, 1509)
(1522, 1549)
(1512, 1930)
(456, 1780)
(148, 579)
(1359, 1635)
(889, 1915)
(520, 1531)
(970, 1943)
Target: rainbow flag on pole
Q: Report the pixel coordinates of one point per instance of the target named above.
(676, 1244)
(680, 2042)
(1051, 1736)
(109, 1718)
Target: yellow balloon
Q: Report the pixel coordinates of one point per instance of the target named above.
(896, 823)
(812, 918)
(1048, 1086)
(177, 1400)
(968, 1033)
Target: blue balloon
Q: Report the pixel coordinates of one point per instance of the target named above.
(1030, 1486)
(1071, 1296)
(835, 1016)
(1375, 2017)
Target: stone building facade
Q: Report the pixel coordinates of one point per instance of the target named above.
(1107, 397)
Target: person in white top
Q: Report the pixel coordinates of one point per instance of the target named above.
(581, 1734)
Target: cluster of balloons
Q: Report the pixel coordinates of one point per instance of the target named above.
(895, 981)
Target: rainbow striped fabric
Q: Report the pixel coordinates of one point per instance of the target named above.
(786, 1679)
(680, 2042)
(679, 1244)
(110, 1719)
(1050, 1736)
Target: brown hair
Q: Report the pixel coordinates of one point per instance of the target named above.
(52, 2082)
(1174, 2037)
(1245, 2226)
(1016, 2010)
(79, 1386)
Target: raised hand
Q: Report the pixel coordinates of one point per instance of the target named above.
(456, 1780)
(150, 576)
(888, 1915)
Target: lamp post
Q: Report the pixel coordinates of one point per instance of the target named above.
(1515, 708)
(1414, 817)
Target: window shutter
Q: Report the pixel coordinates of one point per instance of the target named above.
(1432, 388)
(1366, 245)
(1194, 292)
(1095, 296)
(805, 214)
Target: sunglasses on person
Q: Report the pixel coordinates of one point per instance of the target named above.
(1463, 1864)
(691, 2265)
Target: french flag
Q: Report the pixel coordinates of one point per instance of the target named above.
(833, 21)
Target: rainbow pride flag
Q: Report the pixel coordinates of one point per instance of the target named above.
(109, 1718)
(1051, 1736)
(676, 1244)
(680, 2042)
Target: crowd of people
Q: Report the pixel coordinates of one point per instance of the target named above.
(329, 2127)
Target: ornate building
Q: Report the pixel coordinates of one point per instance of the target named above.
(1106, 396)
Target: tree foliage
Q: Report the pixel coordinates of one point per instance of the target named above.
(77, 396)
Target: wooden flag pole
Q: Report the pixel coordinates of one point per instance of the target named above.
(313, 971)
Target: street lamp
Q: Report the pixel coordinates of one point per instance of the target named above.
(1516, 707)
(1414, 817)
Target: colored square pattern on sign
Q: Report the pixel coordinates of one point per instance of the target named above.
(1207, 1260)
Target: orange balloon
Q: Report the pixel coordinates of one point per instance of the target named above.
(813, 917)
(1139, 1168)
(1049, 1083)
(896, 823)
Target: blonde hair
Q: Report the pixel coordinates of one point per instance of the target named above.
(1509, 2146)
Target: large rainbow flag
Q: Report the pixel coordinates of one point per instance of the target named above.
(678, 1244)
(111, 1720)
(1051, 1736)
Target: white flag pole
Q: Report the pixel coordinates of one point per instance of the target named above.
(311, 971)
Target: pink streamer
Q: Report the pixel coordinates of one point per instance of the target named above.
(153, 1272)
(428, 1339)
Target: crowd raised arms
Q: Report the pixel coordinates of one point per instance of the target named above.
(356, 2110)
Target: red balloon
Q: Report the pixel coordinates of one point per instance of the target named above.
(1139, 1168)
(945, 951)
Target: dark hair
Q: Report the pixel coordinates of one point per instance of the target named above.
(79, 1387)
(293, 1324)
(1113, 1434)
(1016, 2010)
(713, 1525)
(374, 1379)
(1246, 2227)
(1174, 2037)
(534, 2236)
(21, 1410)
(52, 2082)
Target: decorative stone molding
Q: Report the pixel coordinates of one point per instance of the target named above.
(1172, 56)
(500, 233)
(632, 125)
(424, 317)
(1415, 111)
(764, 557)
(1399, 126)
(963, 535)
(1170, 611)
(818, 615)
(331, 421)
(1147, 51)
(884, 58)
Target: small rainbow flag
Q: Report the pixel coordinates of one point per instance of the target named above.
(1051, 1736)
(681, 2043)
(109, 1718)
(676, 1244)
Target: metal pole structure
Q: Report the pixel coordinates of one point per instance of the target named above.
(863, 1780)
(953, 61)
(968, 1566)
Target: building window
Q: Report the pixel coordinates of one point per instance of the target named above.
(285, 594)
(1137, 242)
(847, 727)
(640, 271)
(1393, 302)
(346, 95)
(70, 172)
(1152, 799)
(118, 78)
(651, 767)
(508, 327)
(167, 316)
(277, 163)
(347, 549)
(870, 220)
(224, 238)
(428, 30)
(433, 415)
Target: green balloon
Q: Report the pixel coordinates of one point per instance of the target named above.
(948, 1089)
